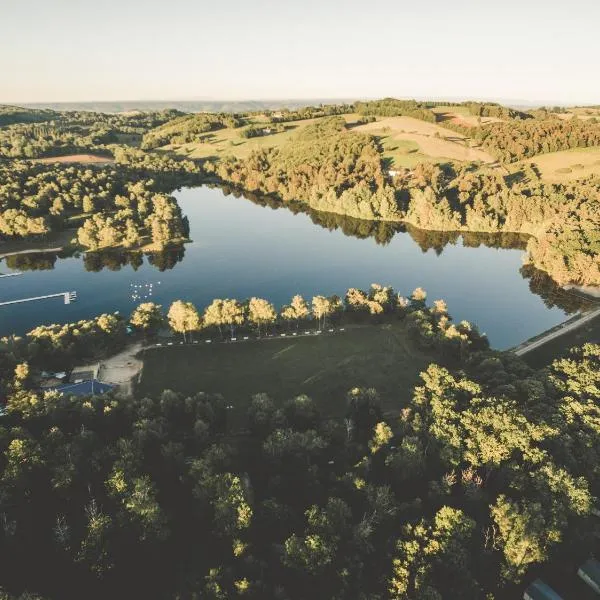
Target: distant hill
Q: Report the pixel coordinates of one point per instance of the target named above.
(184, 106)
(17, 114)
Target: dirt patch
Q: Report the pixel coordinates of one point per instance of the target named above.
(122, 368)
(78, 158)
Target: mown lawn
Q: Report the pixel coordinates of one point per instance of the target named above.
(324, 367)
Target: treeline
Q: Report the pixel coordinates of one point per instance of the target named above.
(188, 127)
(390, 107)
(492, 109)
(517, 140)
(431, 326)
(253, 131)
(309, 112)
(485, 479)
(563, 220)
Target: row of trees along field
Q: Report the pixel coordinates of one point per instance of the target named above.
(432, 325)
(485, 479)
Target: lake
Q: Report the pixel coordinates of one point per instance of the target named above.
(242, 249)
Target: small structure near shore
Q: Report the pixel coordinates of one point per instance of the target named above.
(91, 387)
(539, 590)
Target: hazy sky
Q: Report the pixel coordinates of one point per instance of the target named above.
(75, 50)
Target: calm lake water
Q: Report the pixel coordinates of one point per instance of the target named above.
(242, 249)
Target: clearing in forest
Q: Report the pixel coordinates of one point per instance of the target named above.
(568, 164)
(77, 158)
(407, 141)
(322, 366)
(460, 115)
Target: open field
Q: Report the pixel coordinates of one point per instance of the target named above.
(435, 144)
(324, 367)
(77, 158)
(229, 142)
(582, 112)
(568, 164)
(461, 116)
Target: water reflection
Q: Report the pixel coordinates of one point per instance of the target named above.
(241, 248)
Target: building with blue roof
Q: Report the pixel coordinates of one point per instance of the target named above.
(590, 573)
(90, 387)
(539, 590)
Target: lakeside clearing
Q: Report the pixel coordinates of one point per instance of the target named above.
(53, 242)
(323, 366)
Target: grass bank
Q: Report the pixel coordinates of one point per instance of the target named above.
(324, 367)
(559, 347)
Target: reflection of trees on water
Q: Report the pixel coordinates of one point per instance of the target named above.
(116, 260)
(113, 260)
(543, 285)
(540, 283)
(38, 261)
(167, 259)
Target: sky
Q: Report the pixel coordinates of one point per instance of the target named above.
(530, 51)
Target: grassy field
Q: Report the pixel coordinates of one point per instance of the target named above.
(427, 142)
(405, 141)
(324, 367)
(568, 164)
(229, 142)
(559, 347)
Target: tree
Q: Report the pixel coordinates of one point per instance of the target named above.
(261, 312)
(297, 310)
(183, 317)
(233, 314)
(321, 307)
(148, 317)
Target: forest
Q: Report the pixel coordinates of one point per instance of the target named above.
(165, 496)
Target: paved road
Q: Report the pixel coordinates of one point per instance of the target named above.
(556, 333)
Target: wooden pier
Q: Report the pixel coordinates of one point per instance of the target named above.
(67, 296)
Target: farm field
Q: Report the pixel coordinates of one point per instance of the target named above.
(407, 141)
(322, 366)
(568, 164)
